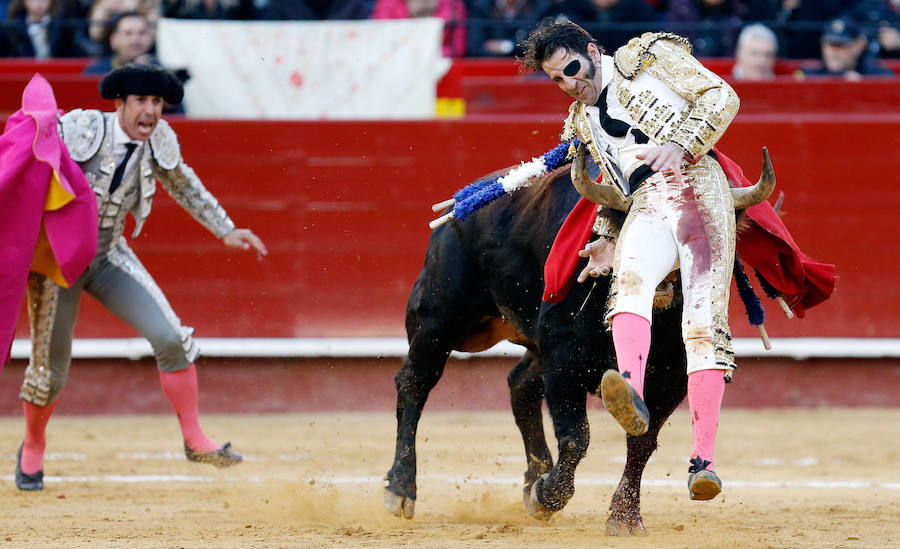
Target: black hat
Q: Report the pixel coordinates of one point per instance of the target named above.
(840, 30)
(139, 79)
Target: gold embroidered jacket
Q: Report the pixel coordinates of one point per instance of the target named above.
(670, 96)
(88, 137)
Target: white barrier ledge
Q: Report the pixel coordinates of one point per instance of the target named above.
(138, 348)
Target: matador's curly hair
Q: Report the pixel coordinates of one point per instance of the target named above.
(549, 36)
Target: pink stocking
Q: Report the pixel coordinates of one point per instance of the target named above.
(181, 388)
(705, 391)
(36, 418)
(631, 337)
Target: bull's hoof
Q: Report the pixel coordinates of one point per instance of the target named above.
(619, 527)
(399, 506)
(535, 508)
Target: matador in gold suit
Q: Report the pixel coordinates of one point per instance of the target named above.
(122, 155)
(648, 118)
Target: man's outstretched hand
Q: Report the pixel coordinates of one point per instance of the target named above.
(245, 239)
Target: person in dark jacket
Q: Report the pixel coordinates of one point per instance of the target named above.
(37, 28)
(845, 53)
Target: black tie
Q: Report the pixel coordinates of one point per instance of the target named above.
(120, 169)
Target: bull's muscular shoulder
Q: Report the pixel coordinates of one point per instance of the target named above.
(640, 52)
(165, 147)
(82, 131)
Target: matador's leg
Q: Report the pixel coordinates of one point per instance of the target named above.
(125, 287)
(706, 260)
(645, 254)
(52, 311)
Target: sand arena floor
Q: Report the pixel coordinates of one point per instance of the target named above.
(793, 478)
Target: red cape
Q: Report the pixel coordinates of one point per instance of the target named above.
(48, 212)
(766, 246)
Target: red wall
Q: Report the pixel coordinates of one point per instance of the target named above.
(343, 207)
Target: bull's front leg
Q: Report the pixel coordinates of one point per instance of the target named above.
(625, 508)
(414, 381)
(567, 404)
(526, 389)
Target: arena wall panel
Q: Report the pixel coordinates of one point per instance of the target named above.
(343, 208)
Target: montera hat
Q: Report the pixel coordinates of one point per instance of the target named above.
(141, 79)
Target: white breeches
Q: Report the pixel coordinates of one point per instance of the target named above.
(685, 223)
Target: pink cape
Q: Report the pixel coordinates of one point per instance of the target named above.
(766, 246)
(48, 212)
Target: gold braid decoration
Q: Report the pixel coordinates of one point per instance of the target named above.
(635, 55)
(713, 103)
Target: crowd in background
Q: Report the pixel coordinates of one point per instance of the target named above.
(117, 31)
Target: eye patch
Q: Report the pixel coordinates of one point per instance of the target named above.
(572, 68)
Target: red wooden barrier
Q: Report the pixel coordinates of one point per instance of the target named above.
(343, 207)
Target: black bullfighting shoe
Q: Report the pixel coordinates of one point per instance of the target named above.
(624, 404)
(223, 457)
(702, 483)
(29, 483)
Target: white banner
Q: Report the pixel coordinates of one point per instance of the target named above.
(306, 70)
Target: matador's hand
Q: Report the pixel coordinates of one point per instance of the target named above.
(664, 157)
(245, 239)
(601, 253)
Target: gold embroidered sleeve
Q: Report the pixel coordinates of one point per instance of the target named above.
(608, 222)
(185, 187)
(714, 103)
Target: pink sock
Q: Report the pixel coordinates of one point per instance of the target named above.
(705, 391)
(36, 418)
(181, 388)
(631, 337)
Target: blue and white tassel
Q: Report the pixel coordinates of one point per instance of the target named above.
(475, 196)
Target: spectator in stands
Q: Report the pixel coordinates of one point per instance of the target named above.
(129, 42)
(798, 23)
(712, 26)
(453, 12)
(614, 21)
(880, 20)
(210, 9)
(888, 41)
(845, 53)
(495, 27)
(754, 58)
(38, 28)
(292, 10)
(103, 14)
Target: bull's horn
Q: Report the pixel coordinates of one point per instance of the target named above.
(744, 197)
(605, 195)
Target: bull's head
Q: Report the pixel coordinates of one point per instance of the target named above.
(606, 195)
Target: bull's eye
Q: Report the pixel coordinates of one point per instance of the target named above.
(572, 68)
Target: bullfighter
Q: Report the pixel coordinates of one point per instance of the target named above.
(122, 154)
(648, 117)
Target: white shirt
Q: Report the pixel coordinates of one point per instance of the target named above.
(120, 138)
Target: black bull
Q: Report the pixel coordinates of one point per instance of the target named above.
(481, 283)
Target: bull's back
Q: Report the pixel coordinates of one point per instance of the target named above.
(482, 279)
